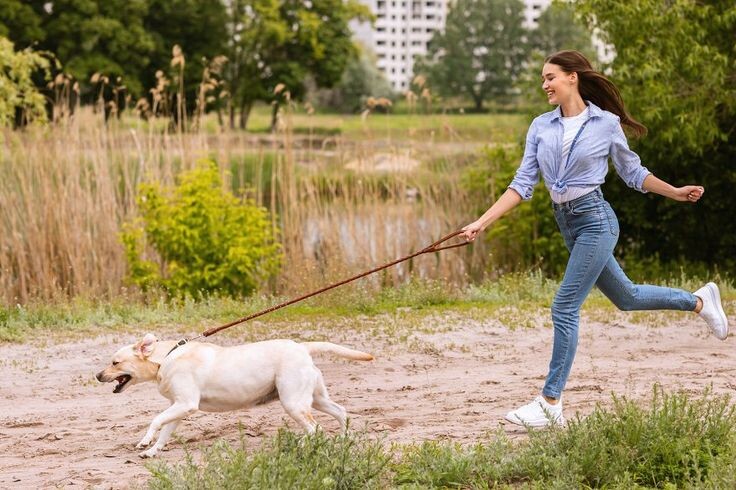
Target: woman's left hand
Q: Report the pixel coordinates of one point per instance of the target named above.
(688, 193)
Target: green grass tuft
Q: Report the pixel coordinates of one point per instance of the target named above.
(673, 442)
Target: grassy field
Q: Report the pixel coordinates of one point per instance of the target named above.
(514, 299)
(430, 128)
(677, 441)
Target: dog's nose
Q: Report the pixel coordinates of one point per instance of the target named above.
(99, 376)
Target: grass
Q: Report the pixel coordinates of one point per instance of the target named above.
(66, 190)
(514, 299)
(432, 127)
(675, 441)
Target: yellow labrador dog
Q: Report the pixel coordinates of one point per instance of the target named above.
(203, 376)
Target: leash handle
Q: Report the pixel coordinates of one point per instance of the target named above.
(431, 248)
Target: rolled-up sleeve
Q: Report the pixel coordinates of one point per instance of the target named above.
(527, 175)
(627, 163)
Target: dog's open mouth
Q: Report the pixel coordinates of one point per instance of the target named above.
(122, 381)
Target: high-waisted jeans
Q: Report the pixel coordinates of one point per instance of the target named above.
(590, 230)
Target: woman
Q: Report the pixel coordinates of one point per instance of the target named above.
(570, 146)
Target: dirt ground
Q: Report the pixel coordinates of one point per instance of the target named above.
(60, 428)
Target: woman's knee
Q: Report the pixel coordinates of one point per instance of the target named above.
(564, 313)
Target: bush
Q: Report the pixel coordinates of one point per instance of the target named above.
(206, 239)
(288, 461)
(20, 100)
(675, 442)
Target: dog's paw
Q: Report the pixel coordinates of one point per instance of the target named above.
(148, 454)
(143, 444)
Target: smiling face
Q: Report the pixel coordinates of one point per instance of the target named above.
(558, 85)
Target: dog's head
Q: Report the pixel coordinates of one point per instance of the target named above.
(132, 364)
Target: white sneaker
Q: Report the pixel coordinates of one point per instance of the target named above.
(712, 311)
(538, 413)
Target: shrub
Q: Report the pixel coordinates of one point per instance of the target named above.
(675, 442)
(206, 239)
(289, 460)
(17, 90)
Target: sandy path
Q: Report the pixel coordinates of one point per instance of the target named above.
(60, 428)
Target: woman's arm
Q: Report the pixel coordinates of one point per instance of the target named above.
(690, 193)
(508, 201)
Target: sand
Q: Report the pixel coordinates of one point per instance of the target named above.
(61, 428)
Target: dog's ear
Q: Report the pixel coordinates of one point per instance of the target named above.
(144, 348)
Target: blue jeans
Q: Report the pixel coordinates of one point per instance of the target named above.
(590, 230)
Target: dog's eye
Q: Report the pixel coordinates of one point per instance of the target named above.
(115, 363)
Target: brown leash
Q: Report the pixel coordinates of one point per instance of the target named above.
(430, 249)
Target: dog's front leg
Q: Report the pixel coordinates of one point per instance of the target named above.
(163, 438)
(174, 413)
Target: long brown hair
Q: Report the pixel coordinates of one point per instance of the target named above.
(595, 87)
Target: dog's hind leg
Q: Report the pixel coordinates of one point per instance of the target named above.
(296, 398)
(323, 403)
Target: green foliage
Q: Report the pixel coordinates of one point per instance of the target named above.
(528, 237)
(287, 461)
(17, 90)
(360, 80)
(284, 42)
(558, 29)
(675, 65)
(206, 238)
(199, 27)
(481, 51)
(19, 21)
(89, 37)
(675, 442)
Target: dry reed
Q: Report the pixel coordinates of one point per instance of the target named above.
(66, 189)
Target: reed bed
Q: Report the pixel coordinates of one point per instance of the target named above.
(65, 191)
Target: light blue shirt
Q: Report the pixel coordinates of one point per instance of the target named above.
(599, 137)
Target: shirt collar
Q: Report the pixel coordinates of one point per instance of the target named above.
(594, 111)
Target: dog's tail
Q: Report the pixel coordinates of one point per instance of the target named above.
(338, 350)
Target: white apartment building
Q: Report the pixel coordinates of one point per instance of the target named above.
(532, 10)
(403, 29)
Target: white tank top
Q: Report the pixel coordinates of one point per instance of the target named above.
(572, 126)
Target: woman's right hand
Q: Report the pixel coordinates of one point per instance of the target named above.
(470, 232)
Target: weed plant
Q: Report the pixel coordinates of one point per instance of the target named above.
(674, 441)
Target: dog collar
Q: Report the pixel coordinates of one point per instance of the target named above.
(178, 344)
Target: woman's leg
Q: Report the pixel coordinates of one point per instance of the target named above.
(628, 296)
(589, 255)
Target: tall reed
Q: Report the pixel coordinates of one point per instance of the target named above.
(66, 189)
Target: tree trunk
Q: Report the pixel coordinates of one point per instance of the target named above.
(232, 116)
(274, 116)
(245, 108)
(478, 99)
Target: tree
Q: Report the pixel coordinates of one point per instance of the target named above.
(20, 22)
(481, 52)
(558, 29)
(20, 101)
(360, 80)
(675, 65)
(282, 42)
(198, 27)
(89, 37)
